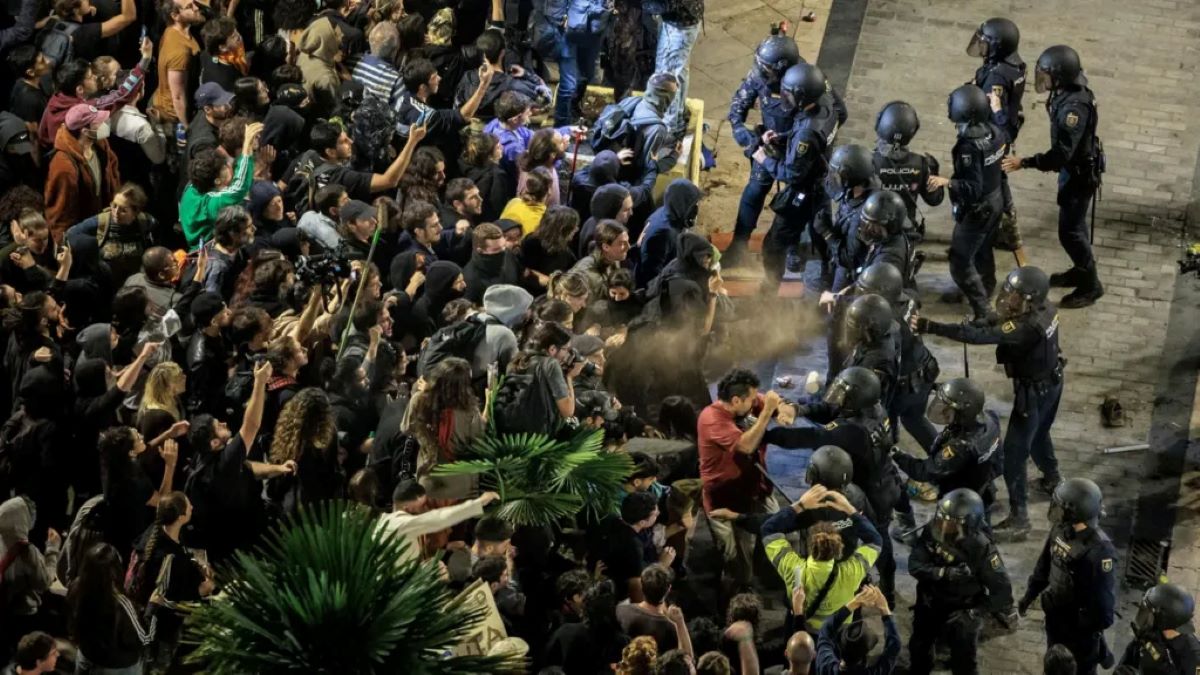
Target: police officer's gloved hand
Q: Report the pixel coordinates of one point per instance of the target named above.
(959, 572)
(922, 324)
(1010, 620)
(1023, 606)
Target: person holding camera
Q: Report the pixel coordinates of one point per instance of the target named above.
(538, 393)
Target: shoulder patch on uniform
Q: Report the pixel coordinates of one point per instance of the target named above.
(1106, 564)
(1072, 120)
(995, 561)
(966, 160)
(802, 148)
(947, 452)
(998, 90)
(831, 426)
(1008, 327)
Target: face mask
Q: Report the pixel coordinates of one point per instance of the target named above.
(102, 132)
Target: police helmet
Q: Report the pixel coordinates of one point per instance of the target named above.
(775, 55)
(956, 401)
(802, 84)
(1024, 289)
(882, 279)
(869, 319)
(995, 39)
(883, 216)
(1164, 607)
(897, 123)
(831, 467)
(958, 512)
(1076, 500)
(1057, 66)
(854, 389)
(851, 166)
(968, 105)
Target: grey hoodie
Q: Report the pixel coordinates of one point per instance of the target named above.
(507, 304)
(30, 573)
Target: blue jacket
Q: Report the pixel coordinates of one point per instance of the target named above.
(829, 663)
(660, 241)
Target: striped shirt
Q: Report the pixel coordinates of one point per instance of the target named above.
(379, 79)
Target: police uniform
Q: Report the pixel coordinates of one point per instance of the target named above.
(918, 371)
(907, 173)
(955, 583)
(883, 358)
(1005, 78)
(975, 194)
(1075, 576)
(867, 438)
(1027, 347)
(961, 457)
(1159, 656)
(801, 171)
(847, 253)
(1075, 154)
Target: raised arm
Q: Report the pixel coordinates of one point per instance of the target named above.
(121, 21)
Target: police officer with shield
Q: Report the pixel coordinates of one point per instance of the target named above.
(1164, 638)
(1026, 340)
(1078, 157)
(1002, 78)
(1074, 576)
(967, 451)
(901, 170)
(960, 579)
(975, 195)
(802, 168)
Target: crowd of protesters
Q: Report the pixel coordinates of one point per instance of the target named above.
(260, 255)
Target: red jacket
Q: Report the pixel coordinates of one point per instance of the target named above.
(70, 188)
(60, 103)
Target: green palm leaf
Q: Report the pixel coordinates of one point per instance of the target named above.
(324, 595)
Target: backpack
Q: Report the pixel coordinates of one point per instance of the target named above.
(459, 340)
(518, 408)
(58, 42)
(308, 173)
(16, 453)
(614, 129)
(237, 393)
(86, 530)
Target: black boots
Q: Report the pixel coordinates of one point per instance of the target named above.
(1086, 293)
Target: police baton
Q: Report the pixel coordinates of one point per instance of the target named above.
(966, 359)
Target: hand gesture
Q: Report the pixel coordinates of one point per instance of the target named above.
(290, 467)
(838, 501)
(675, 615)
(798, 598)
(201, 264)
(771, 402)
(415, 282)
(461, 227)
(1011, 164)
(625, 155)
(485, 76)
(376, 334)
(740, 631)
(667, 557)
(63, 257)
(42, 355)
(22, 258)
(723, 514)
(148, 350)
(146, 48)
(813, 498)
(262, 372)
(265, 156)
(489, 497)
(53, 538)
(864, 599)
(417, 133)
(250, 140)
(826, 301)
(169, 451)
(178, 429)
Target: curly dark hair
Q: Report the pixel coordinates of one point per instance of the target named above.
(421, 181)
(542, 150)
(558, 225)
(449, 387)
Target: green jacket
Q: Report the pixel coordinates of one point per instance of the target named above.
(814, 573)
(198, 212)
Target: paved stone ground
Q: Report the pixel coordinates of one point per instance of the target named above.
(1140, 59)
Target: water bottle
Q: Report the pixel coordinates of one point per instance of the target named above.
(180, 135)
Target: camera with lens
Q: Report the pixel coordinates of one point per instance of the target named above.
(321, 269)
(574, 358)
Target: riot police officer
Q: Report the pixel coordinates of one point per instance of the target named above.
(918, 367)
(855, 421)
(1002, 78)
(850, 181)
(1164, 638)
(1074, 576)
(802, 168)
(772, 59)
(874, 341)
(883, 236)
(966, 452)
(975, 194)
(1078, 157)
(960, 578)
(901, 170)
(1026, 340)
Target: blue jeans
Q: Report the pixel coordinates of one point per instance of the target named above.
(674, 50)
(576, 68)
(1028, 435)
(754, 196)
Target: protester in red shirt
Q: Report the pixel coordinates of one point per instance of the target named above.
(728, 459)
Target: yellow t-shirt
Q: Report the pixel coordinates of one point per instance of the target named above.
(528, 215)
(176, 52)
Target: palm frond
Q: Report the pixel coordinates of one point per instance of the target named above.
(539, 508)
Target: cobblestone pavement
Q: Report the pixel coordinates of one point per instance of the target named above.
(1139, 58)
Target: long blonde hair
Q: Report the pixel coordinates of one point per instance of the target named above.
(159, 394)
(307, 420)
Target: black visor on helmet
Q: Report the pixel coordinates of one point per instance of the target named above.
(946, 530)
(978, 46)
(835, 393)
(1042, 81)
(939, 412)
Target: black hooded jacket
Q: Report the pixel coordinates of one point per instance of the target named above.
(602, 171)
(660, 242)
(438, 291)
(483, 271)
(605, 203)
